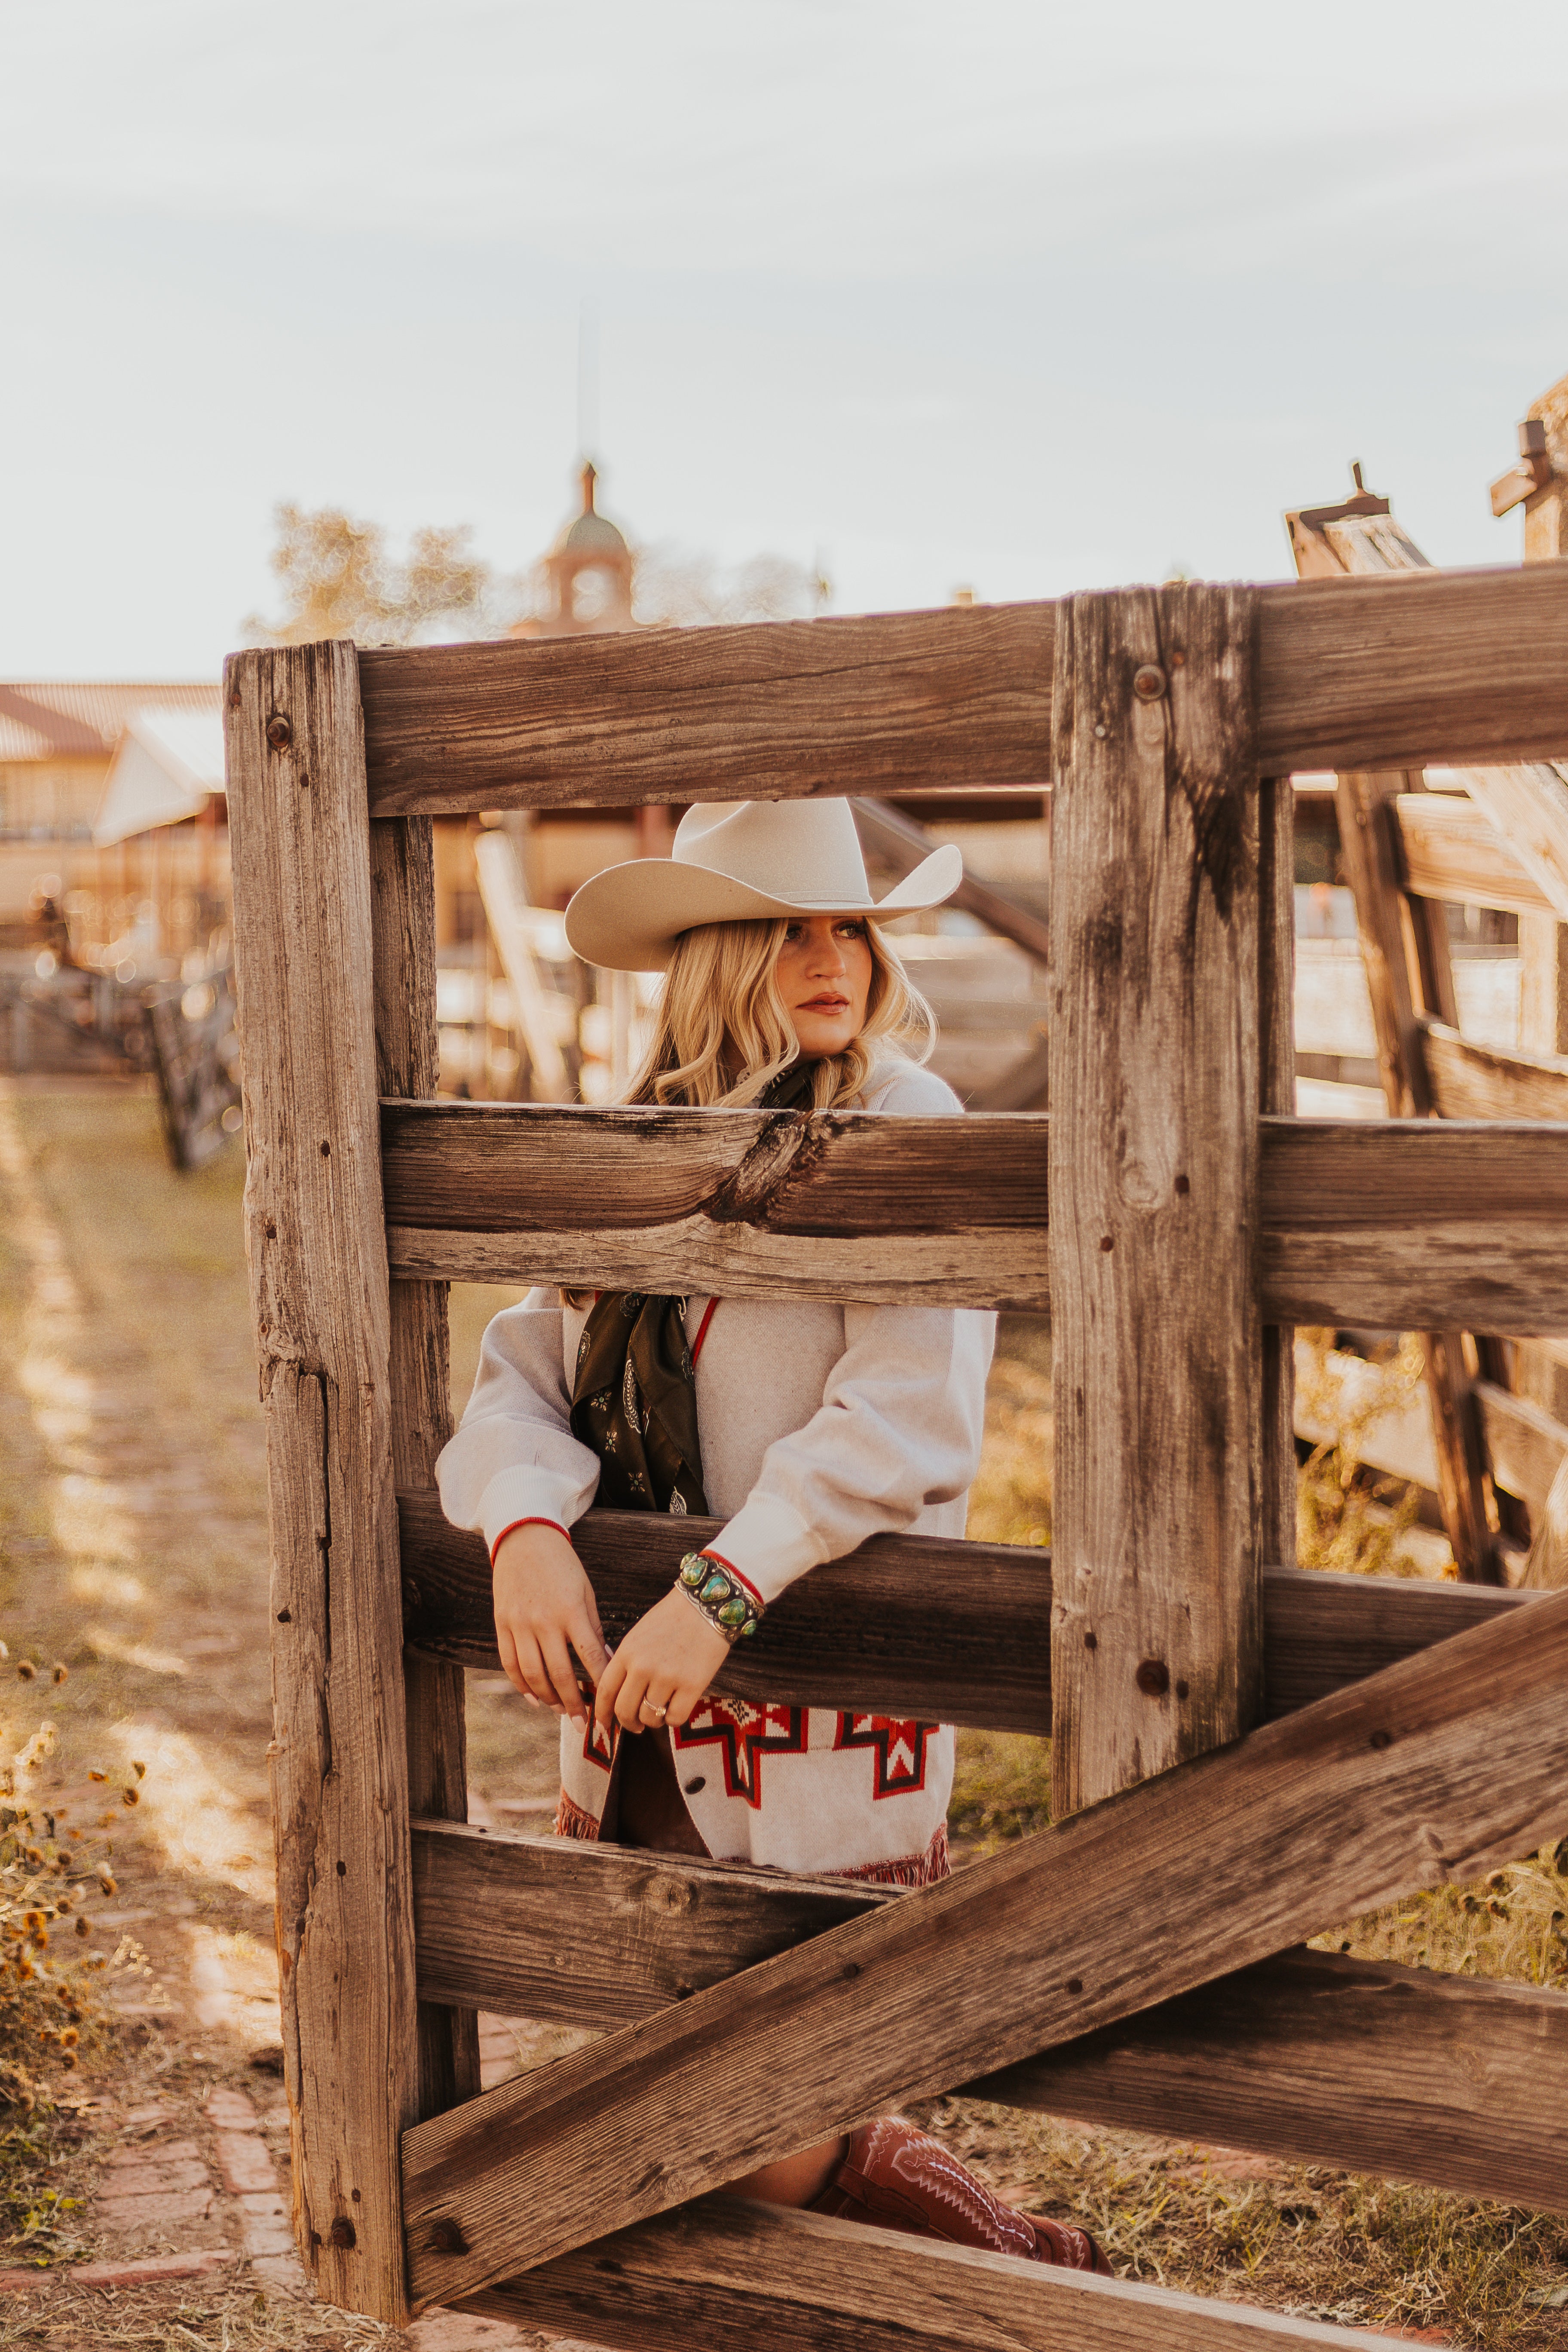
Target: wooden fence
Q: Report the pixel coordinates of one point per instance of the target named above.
(1287, 1750)
(1501, 842)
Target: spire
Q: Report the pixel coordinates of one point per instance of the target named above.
(590, 476)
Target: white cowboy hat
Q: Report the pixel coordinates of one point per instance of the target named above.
(738, 860)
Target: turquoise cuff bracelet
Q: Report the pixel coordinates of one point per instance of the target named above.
(730, 1607)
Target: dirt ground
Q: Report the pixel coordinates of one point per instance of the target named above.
(133, 1548)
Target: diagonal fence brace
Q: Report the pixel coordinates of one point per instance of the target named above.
(1431, 1772)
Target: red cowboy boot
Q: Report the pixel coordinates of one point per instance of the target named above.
(904, 2179)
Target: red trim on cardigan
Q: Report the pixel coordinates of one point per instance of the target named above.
(701, 1335)
(535, 1519)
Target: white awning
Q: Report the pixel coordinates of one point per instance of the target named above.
(164, 767)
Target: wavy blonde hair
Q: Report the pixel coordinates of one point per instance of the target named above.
(722, 1033)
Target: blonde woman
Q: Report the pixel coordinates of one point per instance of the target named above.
(805, 1426)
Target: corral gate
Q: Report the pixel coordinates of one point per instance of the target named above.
(1425, 1732)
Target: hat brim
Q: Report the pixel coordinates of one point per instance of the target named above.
(628, 918)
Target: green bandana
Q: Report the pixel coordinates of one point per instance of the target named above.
(634, 1399)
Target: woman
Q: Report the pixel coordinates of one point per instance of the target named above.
(805, 1426)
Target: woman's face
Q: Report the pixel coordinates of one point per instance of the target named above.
(824, 974)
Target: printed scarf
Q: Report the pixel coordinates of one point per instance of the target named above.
(634, 1396)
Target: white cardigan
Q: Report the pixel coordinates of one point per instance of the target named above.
(820, 1425)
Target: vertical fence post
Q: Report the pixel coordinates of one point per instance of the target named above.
(316, 1241)
(1155, 1079)
(1277, 1093)
(407, 1055)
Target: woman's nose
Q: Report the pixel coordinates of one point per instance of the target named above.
(827, 957)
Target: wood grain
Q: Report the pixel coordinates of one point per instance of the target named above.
(903, 701)
(1432, 1773)
(408, 1058)
(1277, 1094)
(1321, 2059)
(1415, 1225)
(1391, 672)
(1156, 1080)
(720, 1201)
(734, 2276)
(1467, 1080)
(1449, 849)
(317, 1253)
(1310, 2055)
(921, 1625)
(1457, 1216)
(908, 1621)
(598, 1936)
(1413, 669)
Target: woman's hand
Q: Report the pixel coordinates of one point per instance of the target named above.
(668, 1658)
(542, 1602)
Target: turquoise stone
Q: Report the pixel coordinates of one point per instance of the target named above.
(692, 1571)
(717, 1588)
(734, 1613)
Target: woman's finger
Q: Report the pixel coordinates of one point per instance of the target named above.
(510, 1664)
(532, 1666)
(680, 1704)
(608, 1690)
(558, 1666)
(587, 1639)
(629, 1699)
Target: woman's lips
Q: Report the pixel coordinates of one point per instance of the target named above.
(826, 1004)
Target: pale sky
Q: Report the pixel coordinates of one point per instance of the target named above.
(1010, 293)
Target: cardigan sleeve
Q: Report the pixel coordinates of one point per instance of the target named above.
(899, 1428)
(514, 1456)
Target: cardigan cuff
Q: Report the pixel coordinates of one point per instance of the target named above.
(528, 1493)
(769, 1544)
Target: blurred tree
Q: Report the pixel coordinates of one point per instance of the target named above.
(340, 580)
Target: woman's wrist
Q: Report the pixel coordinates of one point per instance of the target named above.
(533, 1519)
(722, 1596)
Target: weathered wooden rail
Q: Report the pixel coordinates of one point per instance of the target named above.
(1178, 1223)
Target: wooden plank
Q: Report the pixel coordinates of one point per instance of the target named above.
(1277, 1094)
(718, 1202)
(1467, 1080)
(525, 1168)
(317, 1253)
(734, 2275)
(1432, 1773)
(1156, 1651)
(900, 702)
(1542, 985)
(1414, 1224)
(1405, 949)
(1529, 806)
(1321, 2059)
(921, 1625)
(898, 841)
(500, 891)
(1376, 673)
(1449, 849)
(598, 1936)
(907, 1621)
(1310, 2055)
(1527, 1446)
(407, 1059)
(1457, 1216)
